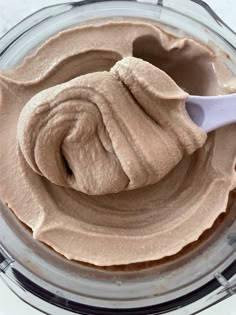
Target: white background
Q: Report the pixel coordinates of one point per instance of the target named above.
(11, 12)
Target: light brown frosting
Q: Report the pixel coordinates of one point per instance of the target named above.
(98, 150)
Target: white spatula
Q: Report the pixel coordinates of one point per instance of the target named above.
(212, 112)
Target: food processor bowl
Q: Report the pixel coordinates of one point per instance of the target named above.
(203, 274)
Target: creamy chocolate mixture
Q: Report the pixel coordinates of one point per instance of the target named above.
(98, 155)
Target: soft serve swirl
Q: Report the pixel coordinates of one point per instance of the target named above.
(106, 132)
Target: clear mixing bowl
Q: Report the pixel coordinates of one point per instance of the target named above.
(202, 275)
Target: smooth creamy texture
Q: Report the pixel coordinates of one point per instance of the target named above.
(107, 132)
(102, 133)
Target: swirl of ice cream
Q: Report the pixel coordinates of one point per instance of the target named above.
(85, 116)
(85, 134)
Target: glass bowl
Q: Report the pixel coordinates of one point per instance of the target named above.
(203, 274)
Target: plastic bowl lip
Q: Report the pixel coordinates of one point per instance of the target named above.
(23, 27)
(213, 14)
(71, 4)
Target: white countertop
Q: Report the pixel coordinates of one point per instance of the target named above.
(11, 12)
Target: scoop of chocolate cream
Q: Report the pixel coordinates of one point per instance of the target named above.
(98, 155)
(106, 132)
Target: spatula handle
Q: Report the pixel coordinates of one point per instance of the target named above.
(212, 112)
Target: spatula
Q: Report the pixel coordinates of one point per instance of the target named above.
(212, 112)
